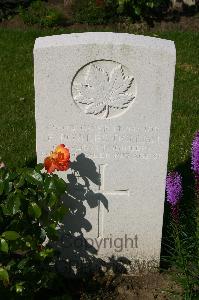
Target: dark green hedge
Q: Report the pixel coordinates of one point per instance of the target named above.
(104, 11)
(10, 7)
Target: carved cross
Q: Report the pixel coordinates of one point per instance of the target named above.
(119, 192)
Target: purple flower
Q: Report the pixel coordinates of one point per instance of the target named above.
(195, 154)
(174, 192)
(174, 188)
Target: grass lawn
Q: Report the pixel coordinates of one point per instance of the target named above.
(17, 124)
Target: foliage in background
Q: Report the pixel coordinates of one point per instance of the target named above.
(30, 212)
(94, 12)
(137, 9)
(40, 13)
(10, 7)
(103, 11)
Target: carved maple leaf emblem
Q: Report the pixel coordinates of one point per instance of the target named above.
(102, 91)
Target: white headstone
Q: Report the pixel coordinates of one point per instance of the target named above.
(108, 98)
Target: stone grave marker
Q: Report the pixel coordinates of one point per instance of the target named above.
(108, 98)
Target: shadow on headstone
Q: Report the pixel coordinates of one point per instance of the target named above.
(78, 253)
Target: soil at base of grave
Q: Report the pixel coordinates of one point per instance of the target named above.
(150, 286)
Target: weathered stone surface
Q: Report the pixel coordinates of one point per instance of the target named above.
(108, 97)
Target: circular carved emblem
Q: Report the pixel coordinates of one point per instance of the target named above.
(104, 89)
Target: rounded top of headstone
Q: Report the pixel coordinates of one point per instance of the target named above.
(105, 38)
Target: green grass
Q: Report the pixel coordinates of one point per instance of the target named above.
(17, 123)
(185, 113)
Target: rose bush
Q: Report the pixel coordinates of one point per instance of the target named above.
(30, 214)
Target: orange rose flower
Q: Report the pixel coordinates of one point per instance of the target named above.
(58, 160)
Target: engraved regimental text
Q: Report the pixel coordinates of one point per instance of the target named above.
(103, 142)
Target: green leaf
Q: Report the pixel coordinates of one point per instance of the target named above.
(10, 264)
(2, 173)
(28, 244)
(26, 192)
(47, 252)
(3, 246)
(52, 232)
(12, 176)
(34, 210)
(52, 200)
(49, 184)
(60, 213)
(19, 287)
(39, 167)
(55, 184)
(21, 181)
(33, 192)
(13, 203)
(16, 204)
(4, 275)
(7, 175)
(4, 209)
(34, 177)
(137, 10)
(10, 235)
(7, 187)
(150, 4)
(43, 234)
(1, 186)
(61, 186)
(23, 263)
